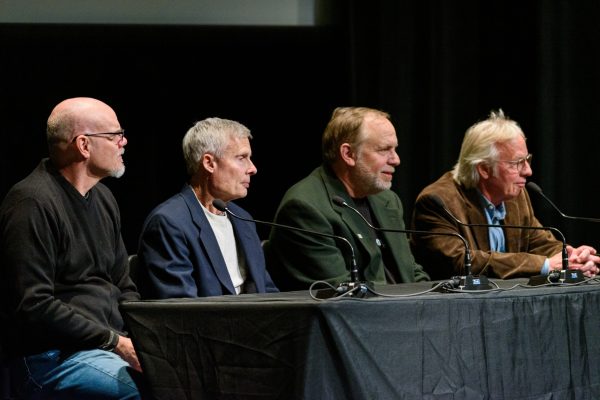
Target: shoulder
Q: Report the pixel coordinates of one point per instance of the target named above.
(312, 180)
(444, 187)
(37, 188)
(238, 210)
(174, 207)
(104, 192)
(318, 186)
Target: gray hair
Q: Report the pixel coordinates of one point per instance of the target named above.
(60, 126)
(479, 146)
(210, 135)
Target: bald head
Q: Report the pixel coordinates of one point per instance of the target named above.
(75, 116)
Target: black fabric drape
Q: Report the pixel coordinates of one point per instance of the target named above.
(522, 344)
(440, 66)
(436, 66)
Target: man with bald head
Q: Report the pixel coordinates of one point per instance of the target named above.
(64, 266)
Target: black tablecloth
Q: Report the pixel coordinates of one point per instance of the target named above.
(525, 343)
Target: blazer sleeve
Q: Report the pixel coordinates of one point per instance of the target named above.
(166, 269)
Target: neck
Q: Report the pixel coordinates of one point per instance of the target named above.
(344, 176)
(80, 179)
(205, 199)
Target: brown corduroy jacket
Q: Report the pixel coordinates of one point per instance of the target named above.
(443, 256)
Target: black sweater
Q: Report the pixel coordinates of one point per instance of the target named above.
(63, 265)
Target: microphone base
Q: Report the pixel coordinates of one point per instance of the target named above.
(556, 276)
(355, 289)
(457, 284)
(475, 282)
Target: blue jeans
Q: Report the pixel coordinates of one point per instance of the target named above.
(90, 374)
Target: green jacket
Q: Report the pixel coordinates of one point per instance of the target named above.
(297, 259)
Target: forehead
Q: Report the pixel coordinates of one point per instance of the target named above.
(378, 130)
(237, 145)
(512, 148)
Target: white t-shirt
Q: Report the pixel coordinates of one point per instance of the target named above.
(234, 259)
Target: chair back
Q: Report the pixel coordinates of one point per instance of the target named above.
(133, 268)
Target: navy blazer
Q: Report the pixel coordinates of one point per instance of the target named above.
(179, 255)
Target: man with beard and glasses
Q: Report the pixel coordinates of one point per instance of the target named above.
(359, 159)
(64, 267)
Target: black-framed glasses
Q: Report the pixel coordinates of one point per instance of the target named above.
(519, 164)
(120, 134)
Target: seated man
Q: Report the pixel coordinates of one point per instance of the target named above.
(188, 248)
(64, 266)
(487, 186)
(359, 152)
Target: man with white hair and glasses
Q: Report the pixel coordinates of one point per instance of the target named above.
(487, 186)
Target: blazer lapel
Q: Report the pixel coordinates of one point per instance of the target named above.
(245, 236)
(208, 241)
(475, 215)
(360, 230)
(512, 235)
(389, 218)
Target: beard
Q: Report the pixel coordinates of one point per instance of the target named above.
(369, 181)
(117, 173)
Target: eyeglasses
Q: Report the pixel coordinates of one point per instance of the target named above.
(520, 163)
(120, 134)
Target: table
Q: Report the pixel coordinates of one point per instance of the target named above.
(525, 343)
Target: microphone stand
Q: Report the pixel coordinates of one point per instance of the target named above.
(354, 288)
(467, 282)
(574, 274)
(533, 187)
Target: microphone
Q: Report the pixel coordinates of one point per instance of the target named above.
(535, 188)
(565, 256)
(355, 286)
(469, 283)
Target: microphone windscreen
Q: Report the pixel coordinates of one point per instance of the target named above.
(339, 201)
(534, 187)
(220, 205)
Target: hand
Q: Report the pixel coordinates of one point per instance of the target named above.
(556, 261)
(585, 259)
(125, 349)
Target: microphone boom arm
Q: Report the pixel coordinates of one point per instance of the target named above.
(534, 187)
(354, 275)
(468, 259)
(565, 256)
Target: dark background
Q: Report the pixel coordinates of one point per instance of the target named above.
(436, 66)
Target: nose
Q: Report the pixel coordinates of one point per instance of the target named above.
(123, 141)
(395, 159)
(526, 171)
(252, 170)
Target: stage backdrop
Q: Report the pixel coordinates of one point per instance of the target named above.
(437, 67)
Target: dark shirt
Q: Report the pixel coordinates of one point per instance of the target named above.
(391, 275)
(63, 265)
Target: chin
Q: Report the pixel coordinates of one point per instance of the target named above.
(383, 185)
(118, 173)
